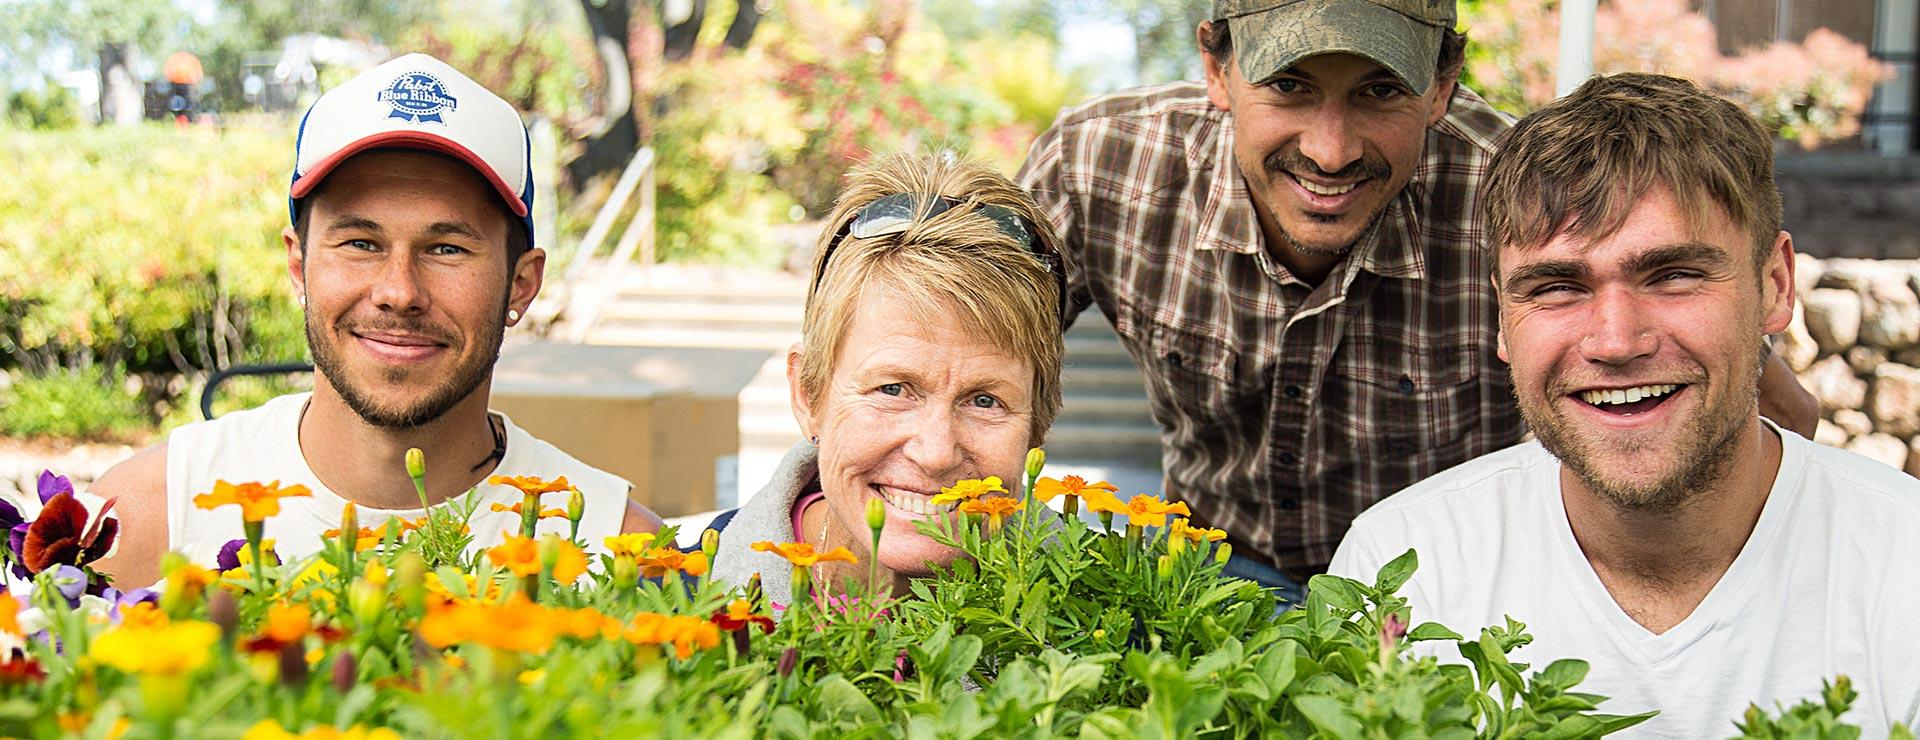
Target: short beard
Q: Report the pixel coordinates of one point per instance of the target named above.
(440, 398)
(1705, 448)
(1285, 162)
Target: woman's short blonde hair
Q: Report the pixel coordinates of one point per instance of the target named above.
(959, 262)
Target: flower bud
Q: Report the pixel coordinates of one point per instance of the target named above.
(576, 505)
(410, 574)
(416, 463)
(1176, 543)
(1165, 566)
(549, 553)
(876, 515)
(349, 524)
(224, 612)
(345, 671)
(1224, 553)
(367, 597)
(626, 573)
(710, 543)
(1036, 459)
(293, 665)
(789, 659)
(754, 592)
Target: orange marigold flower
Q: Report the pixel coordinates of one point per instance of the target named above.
(531, 485)
(544, 513)
(681, 631)
(10, 615)
(1181, 528)
(517, 624)
(995, 507)
(285, 624)
(739, 615)
(632, 544)
(967, 490)
(1142, 510)
(1047, 489)
(522, 556)
(365, 539)
(659, 560)
(802, 554)
(1102, 500)
(256, 501)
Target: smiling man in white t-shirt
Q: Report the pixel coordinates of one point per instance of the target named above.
(1659, 528)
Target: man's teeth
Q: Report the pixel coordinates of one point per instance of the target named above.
(1318, 189)
(1626, 395)
(913, 504)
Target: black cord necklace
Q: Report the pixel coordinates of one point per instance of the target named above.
(499, 444)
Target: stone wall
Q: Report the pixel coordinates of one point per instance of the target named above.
(1855, 343)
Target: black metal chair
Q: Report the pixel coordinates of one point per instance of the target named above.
(275, 368)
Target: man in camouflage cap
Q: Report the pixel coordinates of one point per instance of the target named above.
(1290, 252)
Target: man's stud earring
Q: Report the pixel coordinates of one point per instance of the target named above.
(513, 314)
(815, 439)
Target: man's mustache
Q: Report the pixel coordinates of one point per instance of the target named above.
(1292, 161)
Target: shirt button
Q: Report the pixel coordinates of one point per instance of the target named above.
(1406, 384)
(1293, 391)
(1290, 504)
(1287, 458)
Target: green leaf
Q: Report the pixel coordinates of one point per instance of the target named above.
(1564, 673)
(1396, 572)
(837, 696)
(1432, 631)
(1339, 592)
(1329, 715)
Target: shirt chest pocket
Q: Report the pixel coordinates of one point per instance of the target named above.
(1419, 405)
(1201, 387)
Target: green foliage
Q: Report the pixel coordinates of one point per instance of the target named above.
(85, 403)
(1810, 719)
(50, 107)
(145, 249)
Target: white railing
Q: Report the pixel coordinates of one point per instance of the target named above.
(586, 284)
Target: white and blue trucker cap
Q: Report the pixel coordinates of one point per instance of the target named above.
(417, 102)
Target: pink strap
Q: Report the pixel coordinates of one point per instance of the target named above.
(799, 513)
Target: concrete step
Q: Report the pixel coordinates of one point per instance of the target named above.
(656, 336)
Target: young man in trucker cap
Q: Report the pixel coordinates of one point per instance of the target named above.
(410, 249)
(1289, 251)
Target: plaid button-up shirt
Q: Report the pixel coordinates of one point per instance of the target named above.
(1285, 408)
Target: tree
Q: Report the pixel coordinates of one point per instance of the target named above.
(112, 32)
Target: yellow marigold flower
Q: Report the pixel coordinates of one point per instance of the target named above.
(632, 544)
(1047, 489)
(517, 624)
(522, 556)
(548, 513)
(531, 485)
(802, 554)
(256, 501)
(1102, 500)
(142, 615)
(1181, 528)
(968, 490)
(1146, 511)
(659, 560)
(442, 593)
(164, 649)
(995, 507)
(267, 729)
(681, 631)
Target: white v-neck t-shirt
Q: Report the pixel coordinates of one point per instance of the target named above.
(1828, 583)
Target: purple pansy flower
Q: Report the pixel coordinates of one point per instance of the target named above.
(229, 555)
(53, 485)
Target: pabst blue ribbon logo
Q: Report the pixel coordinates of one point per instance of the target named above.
(418, 97)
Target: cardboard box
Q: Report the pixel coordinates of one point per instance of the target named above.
(664, 418)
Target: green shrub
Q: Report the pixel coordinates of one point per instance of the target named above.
(145, 250)
(51, 107)
(84, 404)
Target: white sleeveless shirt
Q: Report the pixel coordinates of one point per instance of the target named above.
(263, 445)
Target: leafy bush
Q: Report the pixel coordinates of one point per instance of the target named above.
(145, 250)
(83, 403)
(1813, 92)
(50, 107)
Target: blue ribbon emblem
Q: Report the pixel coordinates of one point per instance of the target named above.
(418, 97)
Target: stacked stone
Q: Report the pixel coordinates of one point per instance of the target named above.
(1855, 343)
(20, 467)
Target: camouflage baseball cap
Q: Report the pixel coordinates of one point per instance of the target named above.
(1403, 36)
